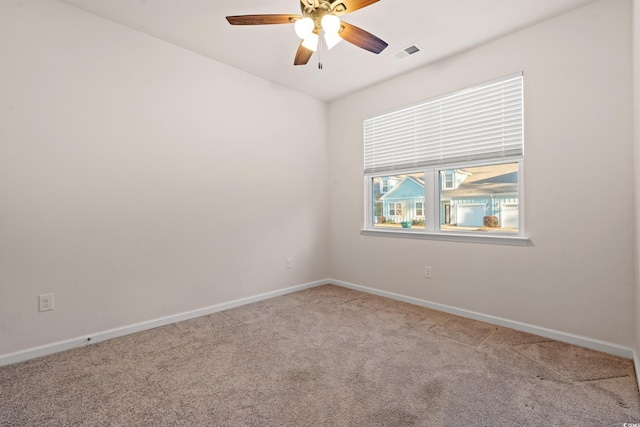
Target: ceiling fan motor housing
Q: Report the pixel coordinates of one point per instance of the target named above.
(317, 9)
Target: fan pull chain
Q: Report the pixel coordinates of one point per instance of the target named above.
(320, 55)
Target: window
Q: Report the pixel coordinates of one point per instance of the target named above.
(393, 211)
(385, 186)
(447, 181)
(397, 209)
(455, 163)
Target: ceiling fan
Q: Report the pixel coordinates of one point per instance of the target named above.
(320, 16)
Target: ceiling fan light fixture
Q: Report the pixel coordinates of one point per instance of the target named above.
(311, 42)
(331, 39)
(330, 24)
(304, 27)
(319, 17)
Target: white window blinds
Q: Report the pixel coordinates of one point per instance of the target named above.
(479, 123)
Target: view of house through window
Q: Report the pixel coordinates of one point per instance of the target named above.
(480, 198)
(398, 201)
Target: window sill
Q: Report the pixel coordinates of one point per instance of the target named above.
(451, 237)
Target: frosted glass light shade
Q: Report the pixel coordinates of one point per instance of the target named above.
(311, 42)
(304, 27)
(332, 39)
(330, 24)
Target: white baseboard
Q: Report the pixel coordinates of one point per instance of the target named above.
(581, 341)
(88, 339)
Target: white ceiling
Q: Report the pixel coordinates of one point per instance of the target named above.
(440, 28)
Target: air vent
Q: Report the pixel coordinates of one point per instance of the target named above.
(406, 52)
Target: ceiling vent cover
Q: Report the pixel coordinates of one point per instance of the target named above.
(406, 52)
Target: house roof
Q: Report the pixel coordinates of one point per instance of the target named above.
(484, 181)
(409, 186)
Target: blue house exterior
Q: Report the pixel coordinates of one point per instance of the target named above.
(405, 201)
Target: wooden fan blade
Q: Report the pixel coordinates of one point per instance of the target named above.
(361, 38)
(262, 19)
(342, 7)
(302, 55)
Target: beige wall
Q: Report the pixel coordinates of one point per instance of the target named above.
(577, 276)
(139, 180)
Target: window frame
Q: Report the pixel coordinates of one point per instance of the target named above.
(431, 208)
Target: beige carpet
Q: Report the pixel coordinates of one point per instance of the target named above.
(325, 356)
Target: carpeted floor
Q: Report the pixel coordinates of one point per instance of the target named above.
(326, 356)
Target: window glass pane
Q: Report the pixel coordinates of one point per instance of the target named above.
(481, 198)
(398, 201)
(448, 180)
(384, 186)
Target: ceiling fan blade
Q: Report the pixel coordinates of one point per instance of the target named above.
(262, 19)
(361, 38)
(302, 55)
(342, 7)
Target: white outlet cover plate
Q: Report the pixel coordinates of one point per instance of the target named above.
(45, 302)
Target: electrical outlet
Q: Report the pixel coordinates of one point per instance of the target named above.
(289, 263)
(45, 302)
(427, 272)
